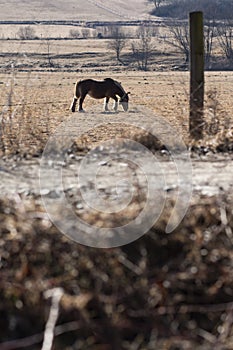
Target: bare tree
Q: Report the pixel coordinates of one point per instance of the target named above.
(25, 33)
(85, 33)
(157, 3)
(142, 48)
(117, 43)
(209, 33)
(180, 39)
(225, 38)
(74, 33)
(48, 44)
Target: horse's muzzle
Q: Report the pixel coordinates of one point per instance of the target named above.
(125, 106)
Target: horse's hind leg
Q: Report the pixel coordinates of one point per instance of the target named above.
(76, 97)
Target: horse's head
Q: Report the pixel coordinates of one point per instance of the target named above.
(124, 101)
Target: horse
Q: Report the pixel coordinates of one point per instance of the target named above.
(107, 88)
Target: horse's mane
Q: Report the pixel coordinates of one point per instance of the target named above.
(109, 79)
(120, 86)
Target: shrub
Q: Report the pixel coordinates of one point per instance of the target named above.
(25, 33)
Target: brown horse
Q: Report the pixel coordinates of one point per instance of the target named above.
(108, 88)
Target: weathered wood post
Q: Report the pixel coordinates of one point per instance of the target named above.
(196, 118)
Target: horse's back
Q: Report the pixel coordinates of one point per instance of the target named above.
(98, 88)
(89, 82)
(84, 82)
(84, 86)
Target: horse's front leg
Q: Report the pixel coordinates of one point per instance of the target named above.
(106, 104)
(115, 106)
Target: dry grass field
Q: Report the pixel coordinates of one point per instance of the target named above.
(74, 10)
(39, 101)
(163, 291)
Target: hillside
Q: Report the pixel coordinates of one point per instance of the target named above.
(90, 10)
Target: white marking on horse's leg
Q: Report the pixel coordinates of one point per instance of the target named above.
(115, 106)
(105, 105)
(73, 104)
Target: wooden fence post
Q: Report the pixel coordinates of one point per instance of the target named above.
(196, 118)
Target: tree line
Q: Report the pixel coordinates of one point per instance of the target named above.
(216, 33)
(213, 9)
(218, 29)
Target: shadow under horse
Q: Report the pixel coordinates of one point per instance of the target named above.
(107, 88)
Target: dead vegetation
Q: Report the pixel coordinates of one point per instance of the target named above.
(218, 132)
(162, 291)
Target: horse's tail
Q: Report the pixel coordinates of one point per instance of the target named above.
(76, 96)
(76, 90)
